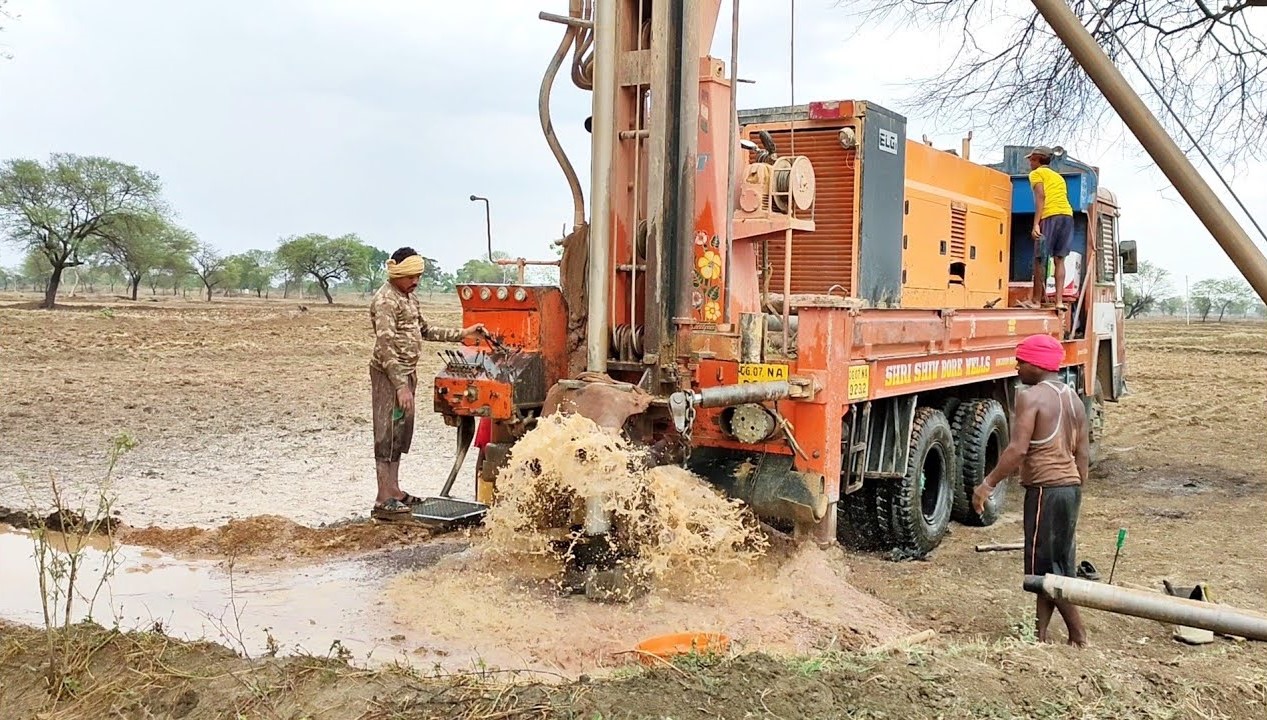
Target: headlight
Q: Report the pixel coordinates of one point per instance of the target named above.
(467, 293)
(503, 292)
(485, 293)
(520, 294)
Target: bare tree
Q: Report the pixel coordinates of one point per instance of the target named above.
(1012, 75)
(208, 265)
(5, 16)
(1146, 288)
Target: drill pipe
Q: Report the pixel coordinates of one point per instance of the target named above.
(1193, 188)
(729, 395)
(1152, 606)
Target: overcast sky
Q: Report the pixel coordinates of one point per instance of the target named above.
(276, 117)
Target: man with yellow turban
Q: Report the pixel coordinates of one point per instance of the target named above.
(399, 329)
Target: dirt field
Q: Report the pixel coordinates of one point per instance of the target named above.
(239, 408)
(256, 408)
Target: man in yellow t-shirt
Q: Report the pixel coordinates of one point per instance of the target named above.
(1053, 223)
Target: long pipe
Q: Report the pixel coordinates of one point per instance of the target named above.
(683, 158)
(1158, 143)
(604, 135)
(1153, 606)
(730, 156)
(729, 395)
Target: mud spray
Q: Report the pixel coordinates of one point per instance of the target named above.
(704, 556)
(673, 528)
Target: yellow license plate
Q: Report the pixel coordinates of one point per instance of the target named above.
(859, 382)
(761, 372)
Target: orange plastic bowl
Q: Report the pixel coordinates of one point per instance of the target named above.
(654, 651)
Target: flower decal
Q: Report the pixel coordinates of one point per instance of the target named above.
(712, 311)
(709, 265)
(697, 298)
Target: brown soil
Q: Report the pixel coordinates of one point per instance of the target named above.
(247, 409)
(278, 537)
(146, 675)
(239, 408)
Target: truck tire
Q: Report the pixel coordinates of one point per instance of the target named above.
(1095, 423)
(915, 510)
(950, 406)
(856, 520)
(981, 434)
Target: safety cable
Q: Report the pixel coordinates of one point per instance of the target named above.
(1177, 119)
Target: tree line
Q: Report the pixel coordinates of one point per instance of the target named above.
(1151, 291)
(106, 223)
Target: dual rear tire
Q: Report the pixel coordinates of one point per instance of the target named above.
(948, 458)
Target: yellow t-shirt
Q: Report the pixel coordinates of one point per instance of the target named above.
(1055, 194)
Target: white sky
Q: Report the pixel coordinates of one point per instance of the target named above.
(267, 118)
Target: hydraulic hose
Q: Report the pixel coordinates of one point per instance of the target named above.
(543, 110)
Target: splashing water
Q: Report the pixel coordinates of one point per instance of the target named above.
(673, 527)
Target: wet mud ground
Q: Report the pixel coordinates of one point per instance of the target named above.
(246, 409)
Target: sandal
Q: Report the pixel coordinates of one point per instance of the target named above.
(411, 500)
(391, 510)
(1087, 570)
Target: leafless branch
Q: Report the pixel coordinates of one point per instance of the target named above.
(1012, 75)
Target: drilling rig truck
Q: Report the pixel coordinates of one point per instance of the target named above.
(806, 308)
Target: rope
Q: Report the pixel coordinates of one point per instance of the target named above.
(1177, 119)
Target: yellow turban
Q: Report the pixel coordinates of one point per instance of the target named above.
(411, 266)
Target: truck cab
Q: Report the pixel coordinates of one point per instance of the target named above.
(1094, 269)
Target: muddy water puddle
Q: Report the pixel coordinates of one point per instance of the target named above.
(303, 608)
(449, 605)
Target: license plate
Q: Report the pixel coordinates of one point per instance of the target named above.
(761, 372)
(859, 382)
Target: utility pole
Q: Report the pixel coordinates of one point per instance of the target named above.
(1221, 224)
(1187, 302)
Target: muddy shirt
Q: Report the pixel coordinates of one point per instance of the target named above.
(399, 329)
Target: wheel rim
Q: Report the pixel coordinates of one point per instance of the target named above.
(930, 483)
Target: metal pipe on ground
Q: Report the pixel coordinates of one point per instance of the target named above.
(1157, 142)
(1152, 606)
(604, 137)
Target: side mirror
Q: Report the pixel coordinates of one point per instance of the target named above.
(1130, 257)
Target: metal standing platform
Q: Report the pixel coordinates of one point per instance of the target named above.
(444, 512)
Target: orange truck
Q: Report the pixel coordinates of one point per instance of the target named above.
(806, 308)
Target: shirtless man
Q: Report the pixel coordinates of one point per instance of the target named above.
(1049, 445)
